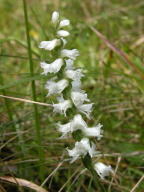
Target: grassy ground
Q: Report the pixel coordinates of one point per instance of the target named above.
(113, 83)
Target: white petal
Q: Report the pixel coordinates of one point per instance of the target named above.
(81, 149)
(78, 123)
(102, 169)
(86, 109)
(62, 107)
(49, 45)
(69, 64)
(78, 98)
(60, 98)
(56, 87)
(64, 129)
(94, 131)
(64, 23)
(55, 17)
(74, 74)
(63, 33)
(72, 54)
(54, 67)
(76, 85)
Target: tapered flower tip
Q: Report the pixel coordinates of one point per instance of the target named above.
(63, 33)
(55, 17)
(103, 170)
(64, 23)
(71, 54)
(49, 45)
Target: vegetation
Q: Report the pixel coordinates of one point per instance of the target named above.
(109, 35)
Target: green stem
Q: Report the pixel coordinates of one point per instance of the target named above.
(87, 162)
(36, 115)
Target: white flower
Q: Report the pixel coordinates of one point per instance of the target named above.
(76, 85)
(56, 87)
(78, 98)
(78, 123)
(69, 64)
(53, 67)
(102, 169)
(72, 54)
(49, 45)
(94, 131)
(64, 23)
(64, 129)
(63, 33)
(62, 107)
(55, 17)
(74, 74)
(86, 109)
(82, 148)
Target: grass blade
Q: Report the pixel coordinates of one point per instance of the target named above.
(36, 115)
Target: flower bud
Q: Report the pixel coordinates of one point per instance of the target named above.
(64, 23)
(63, 33)
(55, 17)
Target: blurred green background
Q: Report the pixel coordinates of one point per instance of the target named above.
(115, 86)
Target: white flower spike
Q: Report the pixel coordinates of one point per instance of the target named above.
(71, 54)
(82, 148)
(63, 33)
(64, 23)
(103, 170)
(78, 97)
(54, 67)
(55, 17)
(49, 45)
(56, 87)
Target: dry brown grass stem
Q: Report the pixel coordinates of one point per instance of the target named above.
(22, 183)
(26, 100)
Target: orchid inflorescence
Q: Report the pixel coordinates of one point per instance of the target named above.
(64, 64)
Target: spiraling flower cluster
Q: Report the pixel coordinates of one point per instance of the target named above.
(71, 78)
